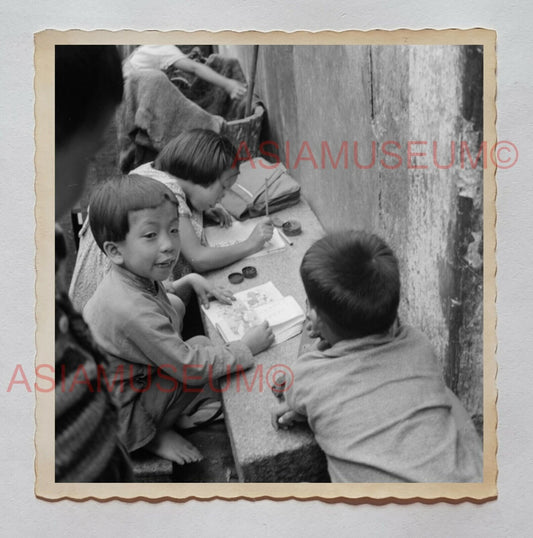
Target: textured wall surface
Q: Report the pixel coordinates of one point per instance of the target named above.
(319, 97)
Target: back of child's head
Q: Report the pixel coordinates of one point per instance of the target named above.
(199, 156)
(113, 200)
(352, 279)
(88, 84)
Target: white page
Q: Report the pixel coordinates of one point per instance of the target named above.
(239, 232)
(281, 312)
(253, 306)
(259, 295)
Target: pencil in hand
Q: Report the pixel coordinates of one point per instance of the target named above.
(285, 238)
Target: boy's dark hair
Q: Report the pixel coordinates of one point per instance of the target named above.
(88, 83)
(352, 279)
(112, 201)
(198, 155)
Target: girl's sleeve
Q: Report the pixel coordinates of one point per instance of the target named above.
(183, 208)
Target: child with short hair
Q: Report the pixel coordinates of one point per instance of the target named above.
(134, 220)
(373, 392)
(198, 166)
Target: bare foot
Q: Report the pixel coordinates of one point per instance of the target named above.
(172, 446)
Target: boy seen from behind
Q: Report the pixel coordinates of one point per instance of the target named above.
(372, 391)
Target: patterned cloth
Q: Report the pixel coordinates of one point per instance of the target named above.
(90, 268)
(380, 411)
(86, 444)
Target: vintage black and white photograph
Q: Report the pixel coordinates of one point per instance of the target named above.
(273, 265)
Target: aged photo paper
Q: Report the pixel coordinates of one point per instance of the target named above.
(393, 132)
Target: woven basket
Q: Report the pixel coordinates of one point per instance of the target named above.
(245, 133)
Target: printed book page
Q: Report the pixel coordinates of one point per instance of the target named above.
(254, 306)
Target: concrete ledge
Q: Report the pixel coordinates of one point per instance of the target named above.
(306, 463)
(261, 453)
(150, 468)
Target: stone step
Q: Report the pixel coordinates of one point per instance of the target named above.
(150, 468)
(217, 465)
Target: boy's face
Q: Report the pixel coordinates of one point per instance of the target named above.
(316, 328)
(204, 198)
(312, 322)
(151, 247)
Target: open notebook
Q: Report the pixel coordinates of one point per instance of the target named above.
(238, 232)
(252, 307)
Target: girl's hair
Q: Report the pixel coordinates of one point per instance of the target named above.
(88, 83)
(112, 201)
(352, 278)
(199, 156)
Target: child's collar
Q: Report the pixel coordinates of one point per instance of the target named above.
(139, 282)
(371, 340)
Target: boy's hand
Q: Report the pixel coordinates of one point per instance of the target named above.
(259, 338)
(284, 417)
(220, 215)
(310, 331)
(204, 290)
(220, 293)
(261, 234)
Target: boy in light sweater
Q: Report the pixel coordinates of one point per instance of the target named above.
(372, 391)
(134, 220)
